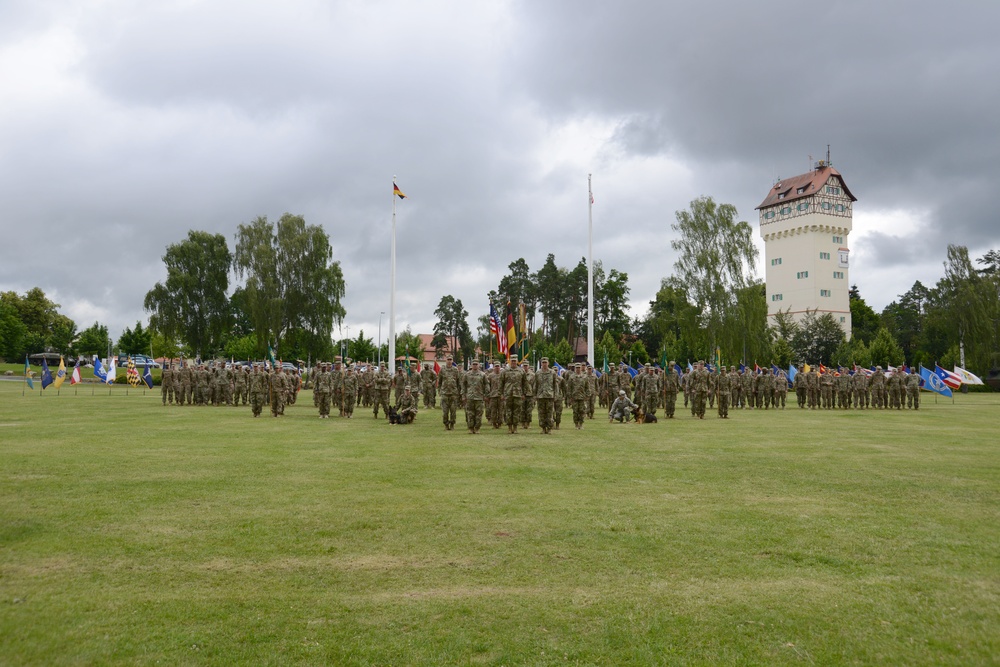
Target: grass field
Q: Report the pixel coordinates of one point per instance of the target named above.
(131, 533)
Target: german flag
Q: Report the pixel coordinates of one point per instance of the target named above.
(396, 191)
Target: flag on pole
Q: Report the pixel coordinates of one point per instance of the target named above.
(270, 356)
(966, 376)
(496, 328)
(511, 332)
(147, 377)
(112, 371)
(27, 374)
(953, 381)
(61, 373)
(396, 191)
(99, 371)
(791, 374)
(132, 373)
(932, 382)
(75, 377)
(46, 374)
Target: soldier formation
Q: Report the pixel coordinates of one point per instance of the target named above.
(509, 395)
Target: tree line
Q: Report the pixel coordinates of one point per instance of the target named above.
(291, 291)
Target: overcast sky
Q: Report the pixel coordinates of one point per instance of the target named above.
(125, 124)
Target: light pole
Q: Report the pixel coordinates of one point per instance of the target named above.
(380, 338)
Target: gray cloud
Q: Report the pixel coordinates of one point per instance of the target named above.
(128, 125)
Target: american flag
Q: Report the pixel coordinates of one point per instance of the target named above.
(496, 328)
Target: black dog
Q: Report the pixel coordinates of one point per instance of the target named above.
(641, 417)
(394, 416)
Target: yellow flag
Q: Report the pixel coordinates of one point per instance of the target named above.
(806, 368)
(61, 375)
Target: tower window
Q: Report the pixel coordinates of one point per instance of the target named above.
(840, 208)
(824, 292)
(832, 190)
(838, 239)
(768, 215)
(802, 274)
(804, 206)
(786, 210)
(839, 275)
(776, 261)
(824, 255)
(827, 206)
(776, 297)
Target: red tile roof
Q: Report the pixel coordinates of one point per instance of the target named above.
(803, 185)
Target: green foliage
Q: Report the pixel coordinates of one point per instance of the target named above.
(606, 349)
(363, 349)
(32, 323)
(817, 338)
(293, 287)
(865, 322)
(562, 352)
(93, 340)
(781, 353)
(135, 341)
(241, 347)
(715, 261)
(638, 353)
(13, 332)
(191, 305)
(885, 351)
(452, 328)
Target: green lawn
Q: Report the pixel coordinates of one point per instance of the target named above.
(131, 533)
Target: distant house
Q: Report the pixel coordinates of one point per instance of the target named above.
(427, 350)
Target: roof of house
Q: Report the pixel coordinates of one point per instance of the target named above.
(803, 185)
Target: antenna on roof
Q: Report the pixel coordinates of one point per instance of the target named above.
(828, 156)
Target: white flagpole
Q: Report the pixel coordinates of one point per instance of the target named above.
(392, 287)
(590, 273)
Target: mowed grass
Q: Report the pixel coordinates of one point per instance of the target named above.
(131, 533)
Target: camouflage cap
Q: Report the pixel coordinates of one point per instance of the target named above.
(671, 362)
(545, 360)
(513, 357)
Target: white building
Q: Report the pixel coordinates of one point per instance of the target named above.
(805, 222)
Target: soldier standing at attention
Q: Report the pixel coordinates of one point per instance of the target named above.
(843, 389)
(321, 390)
(512, 391)
(545, 388)
(450, 385)
(746, 388)
(258, 390)
(699, 383)
(428, 380)
(592, 385)
(494, 402)
(780, 390)
(350, 392)
(399, 382)
(647, 390)
(799, 385)
(895, 382)
(912, 384)
(713, 386)
(335, 387)
(579, 391)
(383, 382)
(671, 385)
(474, 391)
(877, 382)
(167, 384)
(528, 401)
(724, 389)
(276, 390)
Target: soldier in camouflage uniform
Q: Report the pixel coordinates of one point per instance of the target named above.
(799, 385)
(474, 389)
(557, 401)
(812, 388)
(167, 384)
(859, 386)
(335, 379)
(592, 385)
(382, 384)
(713, 386)
(843, 389)
(671, 385)
(746, 388)
(724, 389)
(895, 383)
(258, 390)
(877, 382)
(646, 390)
(407, 406)
(699, 385)
(494, 408)
(512, 391)
(826, 389)
(276, 391)
(780, 390)
(428, 385)
(350, 391)
(450, 385)
(528, 400)
(321, 383)
(912, 385)
(545, 381)
(579, 392)
(399, 383)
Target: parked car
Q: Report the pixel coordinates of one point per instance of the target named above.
(141, 360)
